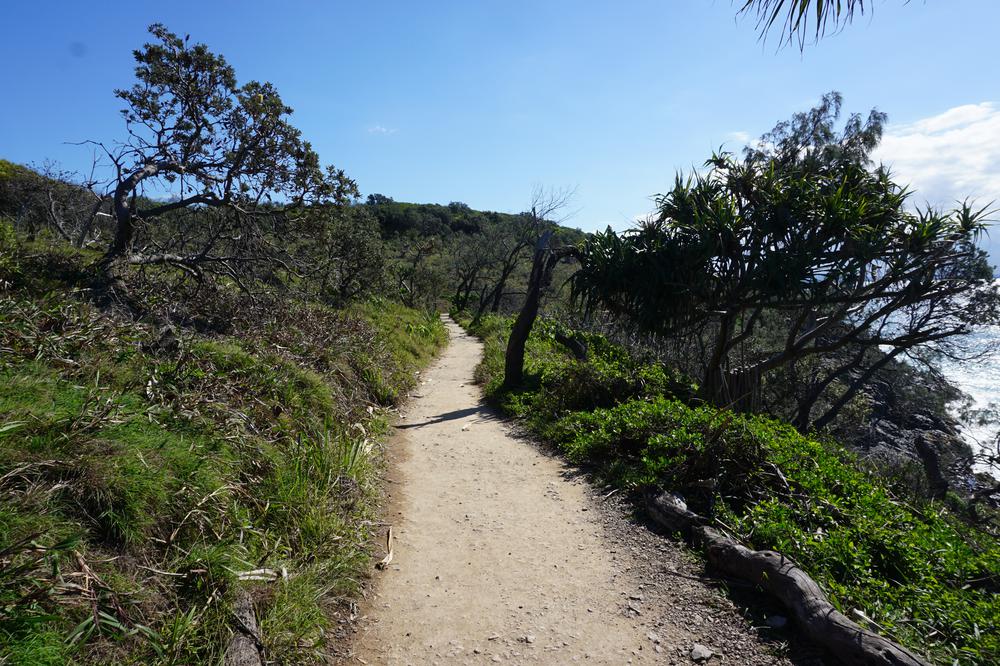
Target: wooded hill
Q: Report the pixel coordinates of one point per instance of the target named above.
(426, 254)
(475, 260)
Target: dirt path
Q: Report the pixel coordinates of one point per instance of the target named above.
(502, 554)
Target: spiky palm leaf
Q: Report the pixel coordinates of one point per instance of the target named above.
(800, 18)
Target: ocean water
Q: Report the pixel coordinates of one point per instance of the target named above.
(980, 380)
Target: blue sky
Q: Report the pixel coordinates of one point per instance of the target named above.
(477, 101)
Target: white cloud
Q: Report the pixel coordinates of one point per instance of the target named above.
(739, 137)
(379, 129)
(947, 157)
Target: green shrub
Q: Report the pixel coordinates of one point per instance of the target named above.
(8, 254)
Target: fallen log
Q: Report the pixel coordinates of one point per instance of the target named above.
(790, 585)
(669, 511)
(244, 646)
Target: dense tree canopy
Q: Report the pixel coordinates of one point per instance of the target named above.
(225, 154)
(803, 237)
(479, 260)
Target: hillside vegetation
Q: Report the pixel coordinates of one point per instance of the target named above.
(147, 474)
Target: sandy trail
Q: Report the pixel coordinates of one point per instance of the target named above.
(502, 555)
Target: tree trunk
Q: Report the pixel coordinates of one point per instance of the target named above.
(462, 292)
(121, 241)
(88, 226)
(56, 219)
(541, 267)
(514, 358)
(481, 308)
(497, 293)
(803, 414)
(739, 390)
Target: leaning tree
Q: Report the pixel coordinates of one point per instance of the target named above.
(801, 248)
(544, 216)
(209, 170)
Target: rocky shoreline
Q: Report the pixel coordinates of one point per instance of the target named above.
(920, 440)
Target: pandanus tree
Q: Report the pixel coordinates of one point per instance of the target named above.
(803, 236)
(199, 143)
(795, 20)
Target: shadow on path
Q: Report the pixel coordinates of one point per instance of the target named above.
(485, 413)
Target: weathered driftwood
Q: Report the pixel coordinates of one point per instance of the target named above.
(244, 647)
(670, 512)
(777, 575)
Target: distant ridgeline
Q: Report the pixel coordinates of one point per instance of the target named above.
(426, 255)
(476, 261)
(395, 218)
(400, 218)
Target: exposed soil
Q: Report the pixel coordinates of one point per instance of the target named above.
(505, 554)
